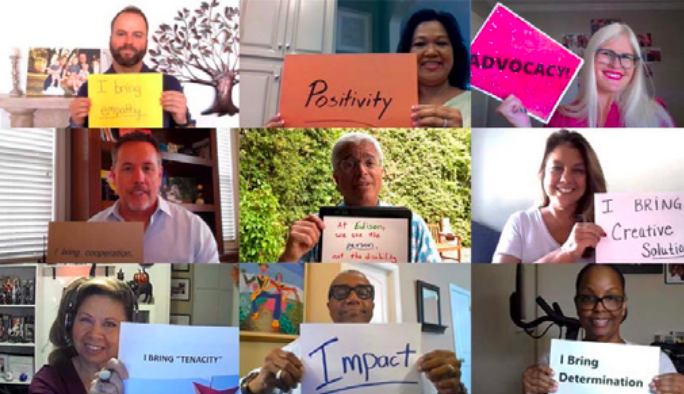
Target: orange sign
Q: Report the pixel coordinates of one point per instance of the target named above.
(373, 90)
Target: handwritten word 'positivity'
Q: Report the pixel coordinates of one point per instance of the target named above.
(361, 364)
(517, 66)
(350, 98)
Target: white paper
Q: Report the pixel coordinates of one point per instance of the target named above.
(603, 368)
(175, 359)
(361, 358)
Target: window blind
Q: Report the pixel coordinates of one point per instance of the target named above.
(226, 177)
(26, 191)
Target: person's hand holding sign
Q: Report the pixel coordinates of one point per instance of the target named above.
(670, 383)
(176, 104)
(275, 122)
(281, 370)
(444, 371)
(538, 379)
(583, 236)
(428, 115)
(110, 379)
(304, 235)
(79, 109)
(513, 110)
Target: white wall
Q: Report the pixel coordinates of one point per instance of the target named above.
(439, 275)
(86, 24)
(506, 161)
(664, 25)
(503, 350)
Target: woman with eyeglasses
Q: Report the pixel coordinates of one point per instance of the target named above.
(612, 92)
(601, 304)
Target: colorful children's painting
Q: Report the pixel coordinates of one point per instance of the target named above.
(271, 297)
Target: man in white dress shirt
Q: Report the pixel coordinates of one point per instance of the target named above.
(172, 233)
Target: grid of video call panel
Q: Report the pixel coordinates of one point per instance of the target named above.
(315, 196)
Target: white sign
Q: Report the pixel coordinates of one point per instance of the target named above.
(640, 227)
(365, 358)
(172, 359)
(365, 239)
(603, 368)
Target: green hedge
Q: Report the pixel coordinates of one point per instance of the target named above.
(286, 175)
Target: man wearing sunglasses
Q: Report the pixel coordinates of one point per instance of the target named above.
(357, 171)
(350, 300)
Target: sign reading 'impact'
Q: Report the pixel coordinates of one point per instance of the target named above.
(510, 56)
(373, 90)
(360, 358)
(640, 228)
(603, 368)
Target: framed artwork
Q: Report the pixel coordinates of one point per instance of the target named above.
(354, 31)
(271, 298)
(180, 320)
(674, 274)
(180, 267)
(62, 71)
(180, 289)
(596, 24)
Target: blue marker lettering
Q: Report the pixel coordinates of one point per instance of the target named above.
(325, 363)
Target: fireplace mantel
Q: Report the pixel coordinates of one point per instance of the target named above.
(26, 111)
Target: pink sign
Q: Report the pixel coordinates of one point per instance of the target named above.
(510, 56)
(640, 227)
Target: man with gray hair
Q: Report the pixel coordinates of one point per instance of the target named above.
(172, 233)
(351, 299)
(357, 170)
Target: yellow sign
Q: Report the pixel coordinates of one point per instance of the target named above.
(125, 100)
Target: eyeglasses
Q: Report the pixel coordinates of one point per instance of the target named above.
(606, 56)
(370, 163)
(342, 292)
(589, 302)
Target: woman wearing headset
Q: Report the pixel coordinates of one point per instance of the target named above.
(85, 335)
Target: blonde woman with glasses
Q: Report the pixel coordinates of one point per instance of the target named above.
(612, 88)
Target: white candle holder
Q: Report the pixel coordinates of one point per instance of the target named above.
(16, 91)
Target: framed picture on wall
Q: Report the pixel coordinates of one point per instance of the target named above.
(354, 31)
(179, 320)
(180, 267)
(271, 299)
(674, 274)
(180, 289)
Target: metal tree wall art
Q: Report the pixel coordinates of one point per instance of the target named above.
(202, 48)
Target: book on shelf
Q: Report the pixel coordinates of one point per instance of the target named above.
(108, 187)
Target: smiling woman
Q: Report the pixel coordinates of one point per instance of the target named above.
(443, 71)
(562, 228)
(601, 303)
(85, 335)
(613, 91)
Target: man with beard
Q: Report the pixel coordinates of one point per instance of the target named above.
(172, 233)
(128, 44)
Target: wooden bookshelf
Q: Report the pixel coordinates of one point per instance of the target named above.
(90, 155)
